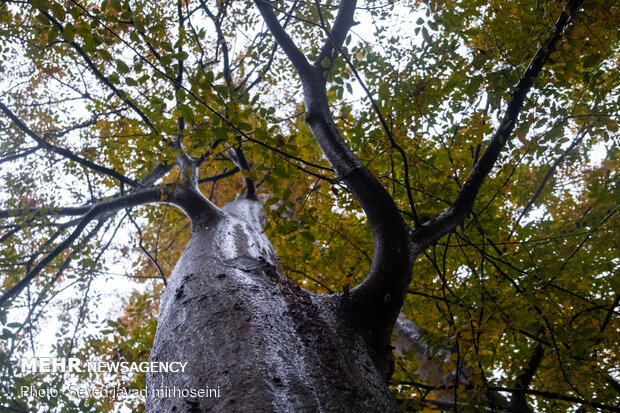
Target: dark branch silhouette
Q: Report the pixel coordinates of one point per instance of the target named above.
(65, 152)
(430, 232)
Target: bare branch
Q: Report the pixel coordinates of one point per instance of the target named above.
(285, 154)
(296, 57)
(95, 70)
(430, 232)
(95, 212)
(310, 278)
(411, 341)
(19, 155)
(221, 40)
(544, 394)
(518, 402)
(83, 307)
(144, 250)
(65, 152)
(272, 54)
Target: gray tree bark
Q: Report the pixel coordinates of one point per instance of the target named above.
(247, 330)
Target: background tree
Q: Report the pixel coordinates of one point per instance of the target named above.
(452, 166)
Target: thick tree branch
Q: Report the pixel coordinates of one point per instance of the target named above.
(95, 212)
(195, 205)
(158, 172)
(297, 58)
(62, 211)
(518, 402)
(65, 152)
(198, 208)
(383, 291)
(238, 158)
(430, 232)
(336, 37)
(338, 47)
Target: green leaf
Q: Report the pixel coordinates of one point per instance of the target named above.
(42, 19)
(68, 32)
(7, 334)
(426, 36)
(244, 126)
(188, 113)
(122, 67)
(166, 60)
(75, 12)
(591, 60)
(89, 44)
(554, 132)
(182, 55)
(105, 54)
(58, 11)
(116, 5)
(307, 235)
(114, 79)
(42, 5)
(139, 23)
(280, 171)
(220, 133)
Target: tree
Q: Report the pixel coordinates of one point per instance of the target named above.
(455, 177)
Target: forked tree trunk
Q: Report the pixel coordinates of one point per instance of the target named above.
(268, 345)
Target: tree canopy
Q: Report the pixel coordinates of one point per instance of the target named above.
(497, 120)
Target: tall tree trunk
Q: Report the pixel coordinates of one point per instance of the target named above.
(267, 344)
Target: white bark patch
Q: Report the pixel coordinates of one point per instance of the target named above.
(240, 233)
(246, 210)
(235, 238)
